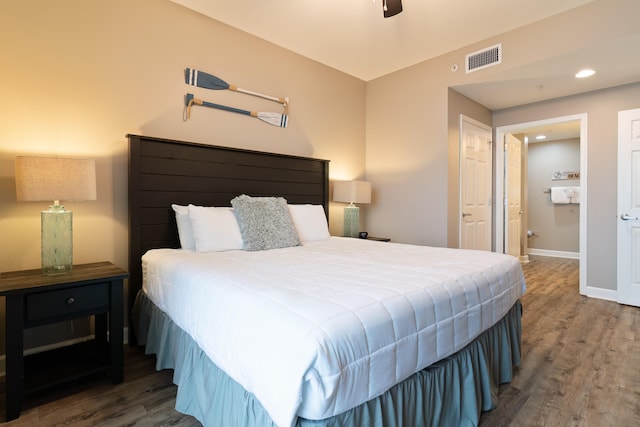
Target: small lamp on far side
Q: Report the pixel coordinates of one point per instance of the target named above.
(352, 192)
(53, 179)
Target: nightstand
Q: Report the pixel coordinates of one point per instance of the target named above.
(34, 300)
(377, 239)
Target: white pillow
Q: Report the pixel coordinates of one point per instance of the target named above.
(215, 229)
(185, 232)
(310, 221)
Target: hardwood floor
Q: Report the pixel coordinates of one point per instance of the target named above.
(581, 367)
(581, 356)
(145, 399)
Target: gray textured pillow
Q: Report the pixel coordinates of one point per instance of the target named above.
(265, 223)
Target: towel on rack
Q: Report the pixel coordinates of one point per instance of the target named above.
(560, 195)
(575, 195)
(565, 195)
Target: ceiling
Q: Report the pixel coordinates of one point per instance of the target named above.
(552, 131)
(352, 36)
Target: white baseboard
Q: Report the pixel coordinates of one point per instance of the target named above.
(600, 293)
(554, 254)
(53, 346)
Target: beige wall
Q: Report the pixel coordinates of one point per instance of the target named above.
(556, 227)
(77, 76)
(408, 131)
(602, 109)
(406, 157)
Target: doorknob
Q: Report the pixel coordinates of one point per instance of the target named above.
(464, 214)
(627, 217)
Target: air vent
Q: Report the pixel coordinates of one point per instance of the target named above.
(484, 58)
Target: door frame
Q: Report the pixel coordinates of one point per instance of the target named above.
(500, 184)
(522, 254)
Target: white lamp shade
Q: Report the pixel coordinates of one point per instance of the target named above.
(55, 178)
(352, 191)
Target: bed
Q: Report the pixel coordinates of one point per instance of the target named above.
(325, 331)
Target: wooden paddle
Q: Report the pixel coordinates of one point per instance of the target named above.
(208, 81)
(275, 119)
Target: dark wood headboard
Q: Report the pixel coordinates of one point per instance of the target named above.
(162, 172)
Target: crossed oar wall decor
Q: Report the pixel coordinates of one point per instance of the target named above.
(208, 81)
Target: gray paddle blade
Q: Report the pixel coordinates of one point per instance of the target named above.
(205, 80)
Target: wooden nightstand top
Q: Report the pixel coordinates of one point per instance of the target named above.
(377, 239)
(23, 280)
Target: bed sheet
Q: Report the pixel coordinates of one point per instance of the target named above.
(317, 329)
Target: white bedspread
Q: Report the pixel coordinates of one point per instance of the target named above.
(318, 329)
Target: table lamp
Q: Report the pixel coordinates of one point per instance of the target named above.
(352, 192)
(55, 178)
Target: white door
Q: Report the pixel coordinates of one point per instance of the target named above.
(476, 164)
(513, 202)
(629, 207)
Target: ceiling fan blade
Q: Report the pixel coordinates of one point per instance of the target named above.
(391, 7)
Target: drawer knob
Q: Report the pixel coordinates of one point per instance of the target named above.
(70, 300)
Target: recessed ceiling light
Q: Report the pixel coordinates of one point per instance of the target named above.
(585, 73)
(541, 137)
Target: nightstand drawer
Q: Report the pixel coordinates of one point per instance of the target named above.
(65, 302)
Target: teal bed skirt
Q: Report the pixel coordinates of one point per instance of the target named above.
(451, 392)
